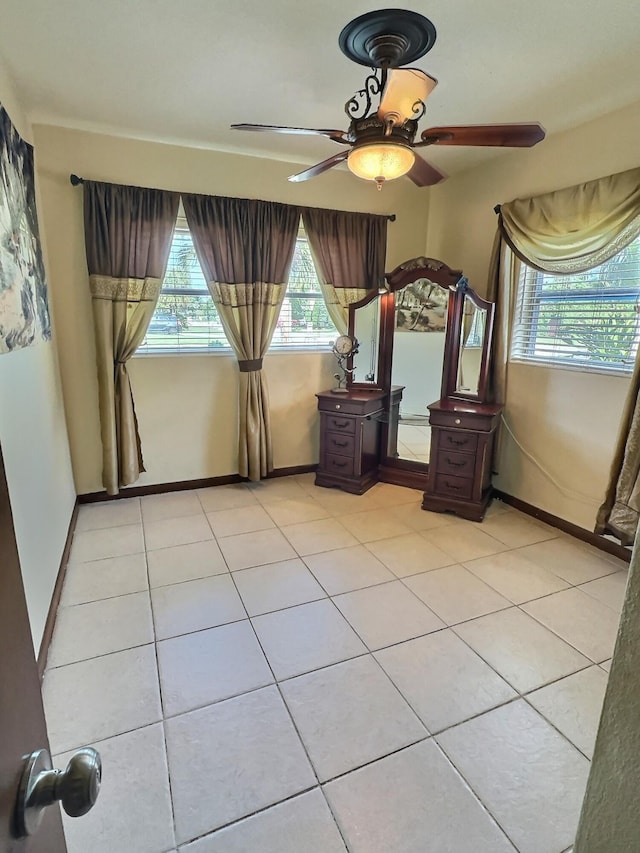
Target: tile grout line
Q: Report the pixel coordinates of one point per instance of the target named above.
(183, 844)
(476, 794)
(161, 695)
(554, 726)
(288, 710)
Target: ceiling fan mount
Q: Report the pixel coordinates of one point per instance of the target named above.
(384, 114)
(387, 38)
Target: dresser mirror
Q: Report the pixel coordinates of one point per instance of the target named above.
(467, 345)
(364, 325)
(419, 326)
(416, 314)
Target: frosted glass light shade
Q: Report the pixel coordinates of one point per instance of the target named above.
(404, 88)
(380, 161)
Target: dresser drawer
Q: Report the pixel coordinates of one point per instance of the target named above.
(338, 464)
(458, 464)
(339, 423)
(349, 404)
(343, 443)
(457, 440)
(455, 487)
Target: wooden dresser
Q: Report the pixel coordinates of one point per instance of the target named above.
(461, 455)
(350, 428)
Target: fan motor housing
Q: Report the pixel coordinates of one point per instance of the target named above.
(366, 131)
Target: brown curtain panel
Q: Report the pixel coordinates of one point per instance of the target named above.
(128, 232)
(245, 248)
(573, 230)
(349, 251)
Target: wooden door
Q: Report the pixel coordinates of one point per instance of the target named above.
(22, 723)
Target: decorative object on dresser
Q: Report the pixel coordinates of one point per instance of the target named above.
(344, 348)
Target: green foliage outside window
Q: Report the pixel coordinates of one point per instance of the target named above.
(589, 318)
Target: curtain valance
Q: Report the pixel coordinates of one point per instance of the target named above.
(576, 228)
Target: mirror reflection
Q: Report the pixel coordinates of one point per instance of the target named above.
(418, 348)
(366, 329)
(474, 323)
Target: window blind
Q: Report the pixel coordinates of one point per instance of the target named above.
(589, 319)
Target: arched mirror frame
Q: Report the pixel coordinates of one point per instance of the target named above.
(453, 346)
(355, 361)
(406, 472)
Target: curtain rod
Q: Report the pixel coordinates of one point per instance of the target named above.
(496, 209)
(76, 181)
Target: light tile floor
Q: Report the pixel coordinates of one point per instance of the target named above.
(280, 668)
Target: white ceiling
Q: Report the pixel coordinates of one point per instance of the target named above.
(184, 71)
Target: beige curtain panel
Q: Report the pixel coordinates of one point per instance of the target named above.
(573, 230)
(245, 248)
(128, 232)
(348, 251)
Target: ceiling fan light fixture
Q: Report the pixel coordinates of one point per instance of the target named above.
(405, 94)
(380, 161)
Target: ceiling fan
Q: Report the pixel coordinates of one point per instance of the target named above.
(380, 141)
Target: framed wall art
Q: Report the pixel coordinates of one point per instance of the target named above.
(24, 309)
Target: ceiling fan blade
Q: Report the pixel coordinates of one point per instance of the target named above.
(404, 89)
(319, 168)
(423, 174)
(337, 135)
(489, 135)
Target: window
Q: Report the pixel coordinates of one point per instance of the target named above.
(304, 320)
(589, 320)
(186, 318)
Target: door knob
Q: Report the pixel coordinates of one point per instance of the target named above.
(40, 786)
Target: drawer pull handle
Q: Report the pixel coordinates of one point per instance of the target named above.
(339, 464)
(459, 442)
(453, 488)
(340, 443)
(456, 464)
(341, 424)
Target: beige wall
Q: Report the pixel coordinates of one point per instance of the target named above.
(35, 449)
(566, 420)
(187, 405)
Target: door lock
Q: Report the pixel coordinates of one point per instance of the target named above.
(40, 786)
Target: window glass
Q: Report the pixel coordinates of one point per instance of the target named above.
(590, 319)
(186, 318)
(304, 319)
